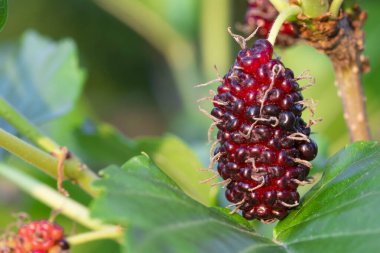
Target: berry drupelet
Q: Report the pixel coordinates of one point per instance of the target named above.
(261, 13)
(264, 149)
(41, 237)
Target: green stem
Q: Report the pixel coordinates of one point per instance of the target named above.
(47, 163)
(115, 233)
(28, 130)
(285, 14)
(314, 8)
(25, 128)
(52, 198)
(335, 7)
(280, 4)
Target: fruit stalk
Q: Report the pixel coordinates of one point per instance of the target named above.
(47, 163)
(285, 14)
(280, 4)
(335, 7)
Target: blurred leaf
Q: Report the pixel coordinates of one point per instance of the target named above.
(182, 15)
(161, 218)
(180, 163)
(102, 144)
(3, 13)
(340, 212)
(40, 78)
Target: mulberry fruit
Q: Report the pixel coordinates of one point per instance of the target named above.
(41, 237)
(261, 13)
(263, 148)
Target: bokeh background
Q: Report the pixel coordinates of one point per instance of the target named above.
(142, 59)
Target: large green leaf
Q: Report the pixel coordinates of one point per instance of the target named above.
(340, 214)
(162, 219)
(39, 77)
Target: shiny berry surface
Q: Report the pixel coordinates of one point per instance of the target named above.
(264, 145)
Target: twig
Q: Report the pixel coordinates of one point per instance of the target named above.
(115, 233)
(51, 198)
(27, 129)
(47, 163)
(342, 39)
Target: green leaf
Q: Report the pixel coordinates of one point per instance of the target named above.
(39, 77)
(180, 163)
(3, 13)
(102, 144)
(341, 211)
(162, 219)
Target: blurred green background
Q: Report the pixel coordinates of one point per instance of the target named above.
(142, 59)
(136, 83)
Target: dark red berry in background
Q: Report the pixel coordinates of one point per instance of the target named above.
(262, 13)
(264, 145)
(41, 237)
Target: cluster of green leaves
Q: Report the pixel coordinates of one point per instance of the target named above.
(157, 196)
(337, 215)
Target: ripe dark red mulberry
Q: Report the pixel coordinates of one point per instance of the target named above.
(264, 149)
(41, 237)
(262, 13)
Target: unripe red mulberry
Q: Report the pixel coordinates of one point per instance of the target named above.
(264, 150)
(41, 237)
(261, 13)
